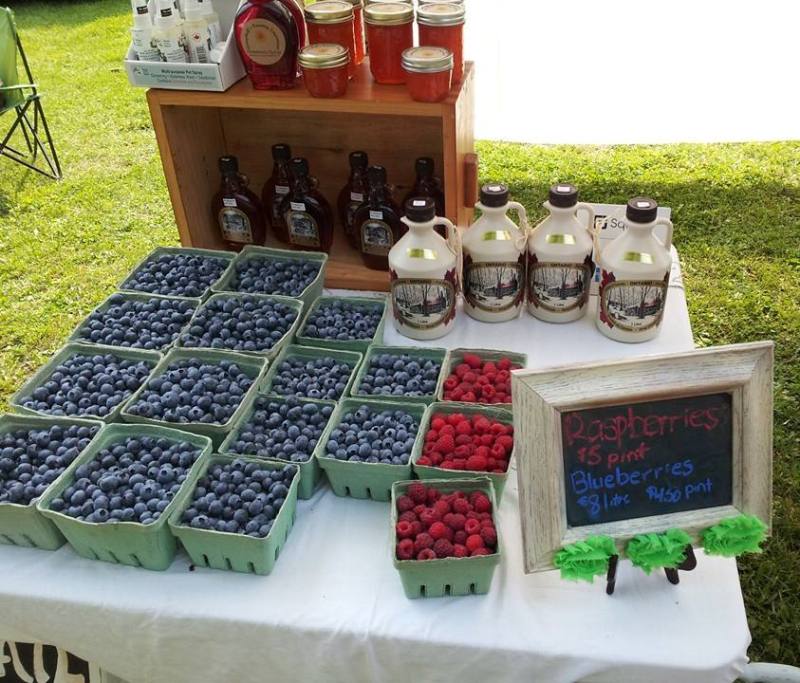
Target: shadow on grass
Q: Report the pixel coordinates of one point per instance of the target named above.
(66, 13)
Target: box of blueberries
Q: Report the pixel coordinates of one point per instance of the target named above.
(368, 446)
(265, 495)
(252, 324)
(283, 428)
(178, 271)
(405, 373)
(136, 321)
(351, 323)
(83, 380)
(198, 390)
(113, 502)
(265, 270)
(27, 444)
(309, 372)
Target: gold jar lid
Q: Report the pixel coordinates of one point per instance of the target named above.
(323, 56)
(355, 3)
(438, 2)
(427, 59)
(389, 13)
(329, 12)
(441, 14)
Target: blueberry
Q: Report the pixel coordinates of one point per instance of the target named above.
(343, 319)
(177, 274)
(366, 433)
(267, 275)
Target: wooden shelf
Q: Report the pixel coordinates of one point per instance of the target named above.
(195, 128)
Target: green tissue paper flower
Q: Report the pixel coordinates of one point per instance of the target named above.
(735, 536)
(584, 560)
(654, 551)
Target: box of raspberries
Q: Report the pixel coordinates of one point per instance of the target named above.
(350, 323)
(480, 376)
(34, 454)
(238, 513)
(114, 500)
(465, 441)
(445, 539)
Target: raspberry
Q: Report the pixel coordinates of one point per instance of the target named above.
(425, 461)
(403, 529)
(429, 517)
(488, 391)
(460, 536)
(460, 505)
(489, 536)
(436, 458)
(469, 397)
(443, 548)
(463, 439)
(419, 509)
(431, 435)
(481, 503)
(482, 380)
(487, 440)
(454, 418)
(464, 427)
(473, 361)
(506, 441)
(457, 465)
(498, 451)
(422, 541)
(476, 463)
(480, 551)
(407, 516)
(474, 542)
(472, 526)
(437, 421)
(417, 492)
(416, 528)
(448, 429)
(481, 425)
(470, 377)
(459, 550)
(433, 495)
(455, 395)
(461, 370)
(437, 530)
(462, 452)
(451, 383)
(442, 507)
(405, 549)
(404, 503)
(489, 367)
(497, 428)
(456, 522)
(485, 518)
(504, 364)
(447, 465)
(445, 444)
(426, 554)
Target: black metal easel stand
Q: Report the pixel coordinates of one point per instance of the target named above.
(672, 574)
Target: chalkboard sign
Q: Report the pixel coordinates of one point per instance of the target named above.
(650, 458)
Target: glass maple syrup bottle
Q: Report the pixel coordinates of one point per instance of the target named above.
(236, 209)
(377, 222)
(308, 216)
(353, 195)
(428, 185)
(276, 188)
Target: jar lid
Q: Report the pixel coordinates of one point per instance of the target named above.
(420, 209)
(563, 195)
(494, 195)
(641, 210)
(441, 14)
(389, 13)
(323, 56)
(427, 59)
(355, 3)
(329, 12)
(443, 2)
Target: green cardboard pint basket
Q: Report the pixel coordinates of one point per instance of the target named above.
(450, 576)
(456, 357)
(251, 366)
(350, 345)
(151, 546)
(236, 552)
(230, 281)
(24, 525)
(310, 473)
(275, 349)
(365, 479)
(310, 353)
(417, 352)
(160, 251)
(42, 375)
(425, 472)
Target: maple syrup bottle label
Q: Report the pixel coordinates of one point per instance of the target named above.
(303, 228)
(494, 286)
(263, 41)
(234, 223)
(559, 287)
(632, 305)
(376, 235)
(424, 303)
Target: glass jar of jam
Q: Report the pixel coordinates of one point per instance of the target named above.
(390, 31)
(429, 71)
(325, 69)
(332, 21)
(442, 24)
(358, 29)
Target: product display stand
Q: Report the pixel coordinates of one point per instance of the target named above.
(671, 573)
(195, 128)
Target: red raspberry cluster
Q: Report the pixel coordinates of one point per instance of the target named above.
(476, 444)
(476, 381)
(432, 525)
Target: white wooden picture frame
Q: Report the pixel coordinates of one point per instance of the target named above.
(540, 396)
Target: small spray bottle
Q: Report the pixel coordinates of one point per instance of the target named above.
(195, 28)
(168, 33)
(212, 19)
(142, 33)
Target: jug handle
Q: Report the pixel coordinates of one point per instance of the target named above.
(523, 221)
(590, 223)
(668, 223)
(453, 243)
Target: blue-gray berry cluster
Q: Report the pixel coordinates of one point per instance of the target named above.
(343, 320)
(288, 277)
(140, 324)
(88, 385)
(32, 459)
(194, 390)
(187, 275)
(130, 481)
(369, 435)
(400, 374)
(322, 378)
(239, 498)
(287, 429)
(239, 323)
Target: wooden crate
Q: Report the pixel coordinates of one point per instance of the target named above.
(195, 128)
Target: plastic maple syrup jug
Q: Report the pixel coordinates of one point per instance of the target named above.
(423, 268)
(494, 258)
(560, 266)
(634, 271)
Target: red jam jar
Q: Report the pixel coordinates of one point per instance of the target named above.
(442, 24)
(429, 72)
(390, 31)
(358, 29)
(325, 69)
(332, 21)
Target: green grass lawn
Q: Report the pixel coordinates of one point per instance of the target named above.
(64, 246)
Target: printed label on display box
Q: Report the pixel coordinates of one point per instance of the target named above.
(494, 286)
(235, 225)
(423, 304)
(632, 305)
(303, 229)
(559, 287)
(376, 237)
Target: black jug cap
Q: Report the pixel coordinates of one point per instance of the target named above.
(300, 166)
(563, 195)
(281, 152)
(376, 174)
(359, 159)
(494, 195)
(420, 209)
(228, 164)
(424, 166)
(641, 210)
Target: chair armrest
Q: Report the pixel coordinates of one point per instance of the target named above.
(23, 86)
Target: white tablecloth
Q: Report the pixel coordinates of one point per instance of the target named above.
(334, 609)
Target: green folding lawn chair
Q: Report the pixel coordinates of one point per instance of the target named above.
(23, 101)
